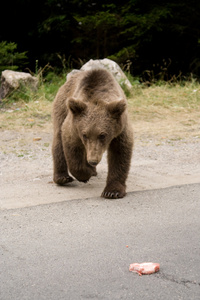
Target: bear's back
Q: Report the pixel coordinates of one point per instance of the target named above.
(98, 84)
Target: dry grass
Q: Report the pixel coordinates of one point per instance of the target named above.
(165, 111)
(19, 115)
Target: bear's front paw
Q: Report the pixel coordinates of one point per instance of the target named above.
(114, 193)
(62, 179)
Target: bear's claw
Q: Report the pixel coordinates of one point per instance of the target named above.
(112, 195)
(62, 180)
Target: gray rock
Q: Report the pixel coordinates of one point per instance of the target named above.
(105, 63)
(11, 80)
(72, 73)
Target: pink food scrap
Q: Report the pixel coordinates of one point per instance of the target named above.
(144, 268)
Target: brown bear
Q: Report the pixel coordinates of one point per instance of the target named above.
(90, 117)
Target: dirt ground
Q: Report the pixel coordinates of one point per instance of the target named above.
(166, 153)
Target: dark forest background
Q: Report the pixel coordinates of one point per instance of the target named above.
(144, 36)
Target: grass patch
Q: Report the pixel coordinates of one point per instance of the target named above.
(162, 108)
(165, 98)
(166, 111)
(25, 108)
(25, 115)
(47, 90)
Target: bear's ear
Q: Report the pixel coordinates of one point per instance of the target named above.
(77, 107)
(116, 108)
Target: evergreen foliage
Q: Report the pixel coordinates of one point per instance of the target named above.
(9, 57)
(162, 37)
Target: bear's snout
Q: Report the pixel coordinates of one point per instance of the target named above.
(94, 152)
(93, 160)
(93, 163)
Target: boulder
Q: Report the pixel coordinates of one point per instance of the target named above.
(11, 80)
(105, 63)
(72, 73)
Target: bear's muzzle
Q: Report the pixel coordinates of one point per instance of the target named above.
(93, 163)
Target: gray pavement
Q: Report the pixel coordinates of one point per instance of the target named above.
(82, 248)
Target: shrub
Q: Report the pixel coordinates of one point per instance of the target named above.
(10, 58)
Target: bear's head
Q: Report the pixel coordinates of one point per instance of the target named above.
(97, 124)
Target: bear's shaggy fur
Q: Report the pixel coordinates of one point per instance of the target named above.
(90, 117)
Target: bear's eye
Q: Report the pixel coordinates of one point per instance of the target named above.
(85, 137)
(102, 137)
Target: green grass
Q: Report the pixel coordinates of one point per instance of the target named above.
(47, 90)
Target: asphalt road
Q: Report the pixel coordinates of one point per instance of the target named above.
(82, 249)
